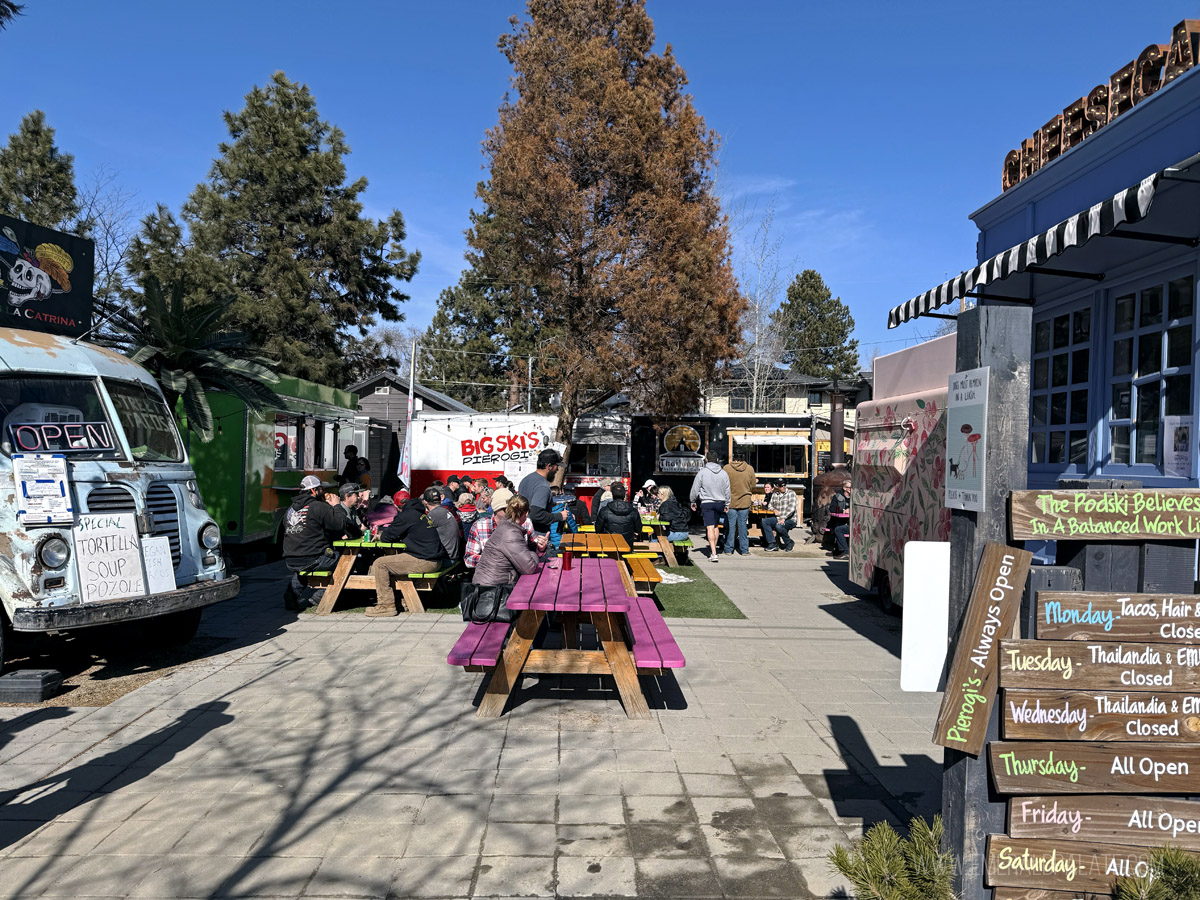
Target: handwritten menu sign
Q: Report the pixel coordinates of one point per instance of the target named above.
(43, 489)
(1082, 615)
(1007, 893)
(1061, 665)
(108, 557)
(1103, 716)
(971, 683)
(1036, 767)
(1120, 515)
(160, 568)
(1143, 821)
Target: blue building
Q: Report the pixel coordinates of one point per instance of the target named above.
(1102, 239)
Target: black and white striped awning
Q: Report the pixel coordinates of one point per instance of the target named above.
(1124, 208)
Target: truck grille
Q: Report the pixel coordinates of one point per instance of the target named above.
(110, 499)
(160, 500)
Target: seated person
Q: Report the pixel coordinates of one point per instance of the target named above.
(424, 550)
(485, 524)
(648, 498)
(783, 503)
(316, 518)
(446, 519)
(675, 514)
(619, 516)
(467, 510)
(839, 506)
(507, 553)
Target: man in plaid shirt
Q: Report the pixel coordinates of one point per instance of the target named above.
(784, 505)
(484, 525)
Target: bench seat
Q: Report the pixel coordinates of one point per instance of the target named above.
(645, 576)
(686, 542)
(479, 645)
(654, 646)
(317, 573)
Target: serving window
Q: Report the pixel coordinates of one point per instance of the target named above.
(1062, 361)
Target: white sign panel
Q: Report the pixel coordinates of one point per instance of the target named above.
(1178, 448)
(160, 568)
(43, 489)
(924, 640)
(966, 439)
(108, 557)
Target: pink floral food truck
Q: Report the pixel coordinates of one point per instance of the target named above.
(899, 477)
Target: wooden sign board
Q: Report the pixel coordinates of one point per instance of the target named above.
(1062, 865)
(974, 674)
(1137, 821)
(1007, 893)
(1080, 665)
(1105, 515)
(1087, 616)
(1100, 716)
(1028, 767)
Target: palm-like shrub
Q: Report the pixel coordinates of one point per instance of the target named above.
(190, 350)
(885, 866)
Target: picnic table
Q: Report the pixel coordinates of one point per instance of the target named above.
(342, 579)
(591, 544)
(659, 529)
(598, 590)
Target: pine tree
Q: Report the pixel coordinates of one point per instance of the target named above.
(37, 180)
(278, 226)
(818, 329)
(599, 205)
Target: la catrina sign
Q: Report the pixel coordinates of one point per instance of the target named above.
(45, 279)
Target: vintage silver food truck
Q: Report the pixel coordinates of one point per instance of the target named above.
(100, 517)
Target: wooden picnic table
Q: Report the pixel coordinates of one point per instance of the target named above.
(595, 589)
(342, 578)
(659, 528)
(610, 545)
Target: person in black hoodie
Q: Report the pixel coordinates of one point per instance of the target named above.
(619, 516)
(423, 550)
(675, 514)
(578, 509)
(316, 518)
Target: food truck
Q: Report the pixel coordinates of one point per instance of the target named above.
(101, 519)
(899, 475)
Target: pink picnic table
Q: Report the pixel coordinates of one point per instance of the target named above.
(592, 589)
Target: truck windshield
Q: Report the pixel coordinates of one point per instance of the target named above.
(149, 426)
(51, 414)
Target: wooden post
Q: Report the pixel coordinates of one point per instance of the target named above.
(999, 337)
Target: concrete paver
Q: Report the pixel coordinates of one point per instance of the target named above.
(341, 757)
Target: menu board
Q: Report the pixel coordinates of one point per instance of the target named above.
(43, 489)
(108, 557)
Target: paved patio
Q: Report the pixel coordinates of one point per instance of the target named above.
(341, 757)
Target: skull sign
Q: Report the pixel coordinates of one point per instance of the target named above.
(27, 282)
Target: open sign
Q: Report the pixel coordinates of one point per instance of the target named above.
(62, 437)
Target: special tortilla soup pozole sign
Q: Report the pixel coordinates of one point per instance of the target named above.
(1106, 515)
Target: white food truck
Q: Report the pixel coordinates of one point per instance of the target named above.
(100, 517)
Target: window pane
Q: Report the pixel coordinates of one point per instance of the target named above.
(1041, 373)
(1181, 293)
(1179, 346)
(1079, 366)
(1062, 331)
(1122, 395)
(1149, 354)
(1041, 337)
(1058, 408)
(1151, 307)
(1079, 447)
(1039, 410)
(1037, 447)
(285, 442)
(1179, 395)
(1123, 357)
(1060, 369)
(1058, 446)
(1120, 444)
(1079, 406)
(1148, 412)
(1083, 326)
(1123, 314)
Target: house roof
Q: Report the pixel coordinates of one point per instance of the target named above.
(437, 399)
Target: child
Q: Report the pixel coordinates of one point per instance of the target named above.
(560, 527)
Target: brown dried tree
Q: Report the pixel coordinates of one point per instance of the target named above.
(600, 213)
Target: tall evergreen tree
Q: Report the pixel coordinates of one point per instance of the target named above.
(37, 180)
(818, 329)
(599, 203)
(278, 226)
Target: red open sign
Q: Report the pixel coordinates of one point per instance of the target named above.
(62, 437)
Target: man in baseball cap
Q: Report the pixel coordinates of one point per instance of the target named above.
(535, 487)
(316, 518)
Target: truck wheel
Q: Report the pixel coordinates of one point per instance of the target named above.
(883, 591)
(173, 629)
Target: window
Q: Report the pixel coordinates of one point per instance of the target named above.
(55, 415)
(775, 459)
(385, 389)
(148, 424)
(739, 403)
(1151, 374)
(287, 442)
(742, 403)
(814, 398)
(771, 405)
(1062, 357)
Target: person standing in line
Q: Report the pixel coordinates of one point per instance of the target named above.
(741, 489)
(602, 497)
(710, 492)
(357, 469)
(535, 487)
(784, 506)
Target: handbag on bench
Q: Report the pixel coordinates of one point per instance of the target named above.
(483, 605)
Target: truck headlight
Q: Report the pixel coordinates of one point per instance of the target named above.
(210, 536)
(193, 494)
(53, 552)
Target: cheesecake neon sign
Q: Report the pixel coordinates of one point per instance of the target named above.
(1157, 65)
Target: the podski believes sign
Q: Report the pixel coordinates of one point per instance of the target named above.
(1105, 515)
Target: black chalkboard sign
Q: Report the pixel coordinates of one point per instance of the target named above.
(45, 279)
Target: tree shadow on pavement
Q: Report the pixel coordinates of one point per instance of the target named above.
(869, 621)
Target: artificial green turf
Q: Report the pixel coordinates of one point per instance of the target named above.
(701, 599)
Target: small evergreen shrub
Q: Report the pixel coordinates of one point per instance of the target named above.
(1176, 877)
(885, 866)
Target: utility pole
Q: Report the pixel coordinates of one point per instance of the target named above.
(529, 388)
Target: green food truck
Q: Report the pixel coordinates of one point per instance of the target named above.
(251, 470)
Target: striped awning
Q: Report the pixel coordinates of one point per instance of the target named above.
(1124, 208)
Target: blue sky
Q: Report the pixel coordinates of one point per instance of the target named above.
(875, 128)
